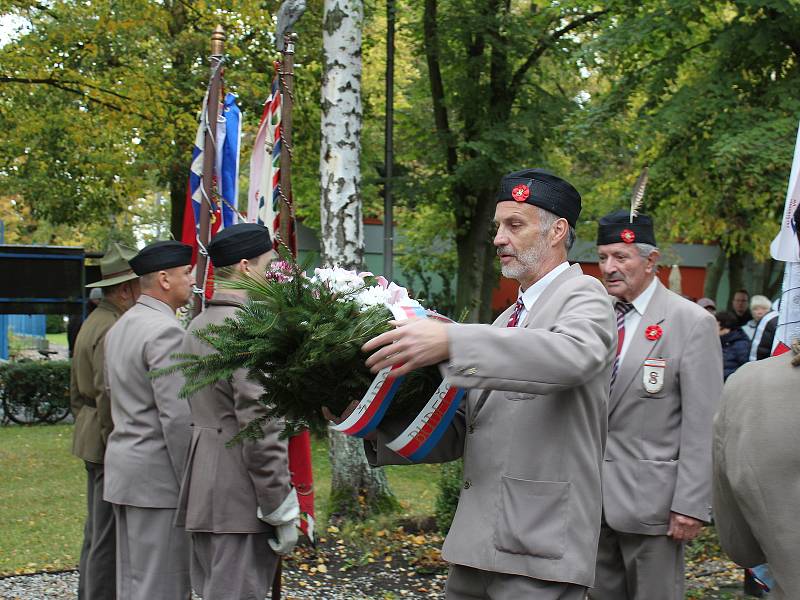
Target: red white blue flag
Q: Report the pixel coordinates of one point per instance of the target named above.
(225, 178)
(263, 197)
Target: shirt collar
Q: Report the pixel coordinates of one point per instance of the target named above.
(156, 304)
(641, 302)
(531, 295)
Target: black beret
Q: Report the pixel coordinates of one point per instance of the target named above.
(161, 255)
(616, 227)
(244, 240)
(544, 190)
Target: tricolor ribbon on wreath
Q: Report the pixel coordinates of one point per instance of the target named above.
(427, 428)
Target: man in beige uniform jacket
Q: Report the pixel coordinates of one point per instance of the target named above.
(148, 446)
(92, 410)
(756, 470)
(533, 426)
(665, 385)
(237, 502)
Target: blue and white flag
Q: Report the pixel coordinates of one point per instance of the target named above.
(226, 177)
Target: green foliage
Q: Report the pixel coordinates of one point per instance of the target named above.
(704, 94)
(302, 342)
(431, 273)
(56, 324)
(98, 104)
(450, 482)
(35, 390)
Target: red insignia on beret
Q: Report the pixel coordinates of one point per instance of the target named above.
(627, 236)
(520, 193)
(653, 332)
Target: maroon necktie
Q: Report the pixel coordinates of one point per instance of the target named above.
(514, 318)
(622, 309)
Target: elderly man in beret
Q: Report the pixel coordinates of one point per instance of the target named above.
(236, 501)
(665, 385)
(119, 289)
(147, 449)
(532, 427)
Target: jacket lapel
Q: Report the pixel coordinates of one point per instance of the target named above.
(501, 321)
(641, 348)
(573, 271)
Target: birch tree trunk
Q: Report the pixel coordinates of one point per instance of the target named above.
(356, 488)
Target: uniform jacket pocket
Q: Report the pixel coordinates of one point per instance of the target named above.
(532, 519)
(656, 486)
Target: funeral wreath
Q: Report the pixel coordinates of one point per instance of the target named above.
(300, 337)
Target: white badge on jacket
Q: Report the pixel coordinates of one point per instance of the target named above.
(653, 374)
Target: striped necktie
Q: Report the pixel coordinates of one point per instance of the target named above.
(622, 309)
(514, 318)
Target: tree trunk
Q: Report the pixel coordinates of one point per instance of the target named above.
(178, 181)
(735, 275)
(476, 256)
(714, 271)
(356, 488)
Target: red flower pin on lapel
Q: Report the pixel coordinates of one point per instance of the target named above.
(520, 193)
(653, 332)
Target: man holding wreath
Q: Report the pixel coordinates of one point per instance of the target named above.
(532, 428)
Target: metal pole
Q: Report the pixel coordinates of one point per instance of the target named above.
(388, 154)
(287, 100)
(214, 86)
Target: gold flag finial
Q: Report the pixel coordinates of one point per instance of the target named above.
(218, 41)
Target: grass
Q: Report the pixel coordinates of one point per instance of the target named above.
(43, 496)
(58, 338)
(42, 499)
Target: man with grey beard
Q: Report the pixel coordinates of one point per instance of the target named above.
(532, 428)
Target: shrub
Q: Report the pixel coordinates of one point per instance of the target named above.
(55, 324)
(450, 482)
(34, 391)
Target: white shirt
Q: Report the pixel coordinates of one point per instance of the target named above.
(634, 317)
(531, 295)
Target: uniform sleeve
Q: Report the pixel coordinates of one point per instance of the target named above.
(102, 400)
(173, 412)
(75, 402)
(537, 361)
(735, 535)
(266, 459)
(700, 379)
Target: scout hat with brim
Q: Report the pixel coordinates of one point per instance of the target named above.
(115, 267)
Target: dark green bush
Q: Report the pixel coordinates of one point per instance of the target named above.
(450, 482)
(35, 391)
(55, 324)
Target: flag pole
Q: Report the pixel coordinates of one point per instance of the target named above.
(286, 87)
(388, 151)
(209, 154)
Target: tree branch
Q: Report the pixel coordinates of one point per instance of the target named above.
(431, 44)
(37, 6)
(65, 85)
(548, 42)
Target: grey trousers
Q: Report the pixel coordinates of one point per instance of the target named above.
(638, 567)
(97, 566)
(466, 583)
(152, 555)
(232, 566)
